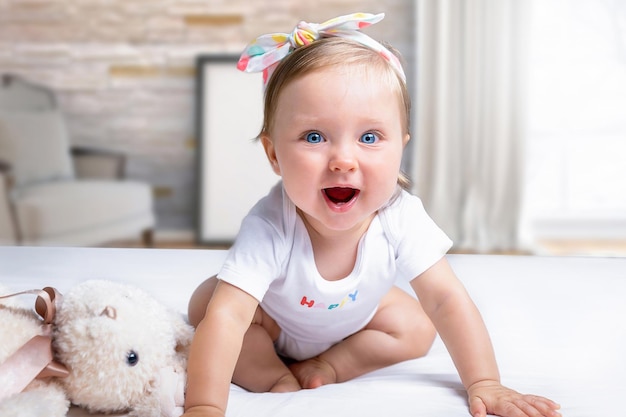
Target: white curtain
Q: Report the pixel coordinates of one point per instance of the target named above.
(469, 117)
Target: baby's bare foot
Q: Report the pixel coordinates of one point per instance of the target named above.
(287, 383)
(313, 373)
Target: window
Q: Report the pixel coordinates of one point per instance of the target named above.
(576, 161)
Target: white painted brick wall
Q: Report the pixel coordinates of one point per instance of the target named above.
(124, 70)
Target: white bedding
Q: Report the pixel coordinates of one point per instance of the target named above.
(558, 326)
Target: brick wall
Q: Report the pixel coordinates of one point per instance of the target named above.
(124, 70)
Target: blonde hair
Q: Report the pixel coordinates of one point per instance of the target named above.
(330, 52)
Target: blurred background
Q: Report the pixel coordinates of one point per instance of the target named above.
(518, 130)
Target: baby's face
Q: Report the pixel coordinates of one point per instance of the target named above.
(337, 142)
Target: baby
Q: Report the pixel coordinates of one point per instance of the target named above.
(307, 295)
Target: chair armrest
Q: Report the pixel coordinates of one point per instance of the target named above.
(4, 166)
(8, 233)
(98, 163)
(6, 174)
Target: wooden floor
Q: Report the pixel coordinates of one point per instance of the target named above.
(164, 244)
(611, 248)
(615, 248)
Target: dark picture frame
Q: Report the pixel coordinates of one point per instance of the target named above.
(232, 169)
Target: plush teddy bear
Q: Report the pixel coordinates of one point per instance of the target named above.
(124, 351)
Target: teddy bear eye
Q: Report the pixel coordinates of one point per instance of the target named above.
(132, 358)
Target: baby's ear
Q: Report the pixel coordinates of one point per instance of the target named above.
(270, 151)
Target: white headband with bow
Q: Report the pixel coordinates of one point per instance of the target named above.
(266, 51)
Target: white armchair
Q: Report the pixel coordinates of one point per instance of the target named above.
(53, 194)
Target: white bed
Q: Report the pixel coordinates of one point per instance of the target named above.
(558, 326)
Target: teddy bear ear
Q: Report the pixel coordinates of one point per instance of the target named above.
(110, 312)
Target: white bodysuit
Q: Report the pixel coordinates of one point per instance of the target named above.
(272, 260)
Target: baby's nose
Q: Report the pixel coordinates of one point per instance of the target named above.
(343, 159)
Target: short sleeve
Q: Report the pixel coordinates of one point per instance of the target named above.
(418, 242)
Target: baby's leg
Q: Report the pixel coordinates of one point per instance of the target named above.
(400, 330)
(258, 369)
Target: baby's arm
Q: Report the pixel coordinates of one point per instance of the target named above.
(463, 331)
(215, 349)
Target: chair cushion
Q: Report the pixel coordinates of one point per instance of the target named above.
(36, 144)
(48, 210)
(17, 93)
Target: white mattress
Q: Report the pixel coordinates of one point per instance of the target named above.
(558, 326)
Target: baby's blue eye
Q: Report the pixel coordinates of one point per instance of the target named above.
(313, 137)
(369, 138)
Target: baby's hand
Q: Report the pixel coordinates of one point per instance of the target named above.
(491, 397)
(203, 411)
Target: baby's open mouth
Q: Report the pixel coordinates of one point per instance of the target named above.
(340, 195)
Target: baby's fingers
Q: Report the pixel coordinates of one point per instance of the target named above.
(527, 406)
(477, 407)
(516, 405)
(534, 405)
(493, 398)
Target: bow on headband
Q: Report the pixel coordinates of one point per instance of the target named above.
(266, 51)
